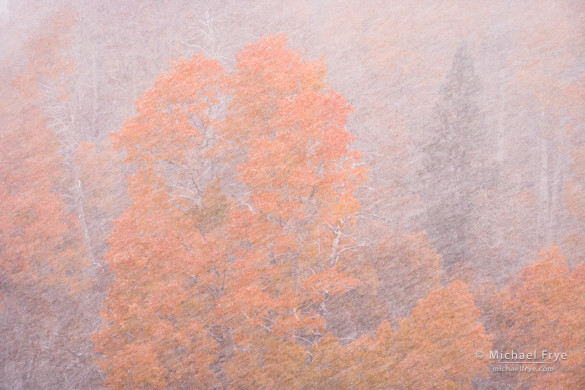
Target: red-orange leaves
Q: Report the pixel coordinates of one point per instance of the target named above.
(251, 257)
(305, 155)
(544, 309)
(441, 338)
(176, 115)
(266, 73)
(167, 276)
(38, 237)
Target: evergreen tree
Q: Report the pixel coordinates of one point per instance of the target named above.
(454, 163)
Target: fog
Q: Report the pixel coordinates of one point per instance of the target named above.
(292, 194)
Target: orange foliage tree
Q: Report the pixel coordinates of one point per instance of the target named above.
(439, 341)
(43, 280)
(543, 309)
(33, 222)
(202, 277)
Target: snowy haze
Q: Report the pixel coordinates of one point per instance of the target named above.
(291, 194)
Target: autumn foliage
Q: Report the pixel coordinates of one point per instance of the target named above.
(34, 225)
(239, 234)
(543, 309)
(43, 264)
(250, 216)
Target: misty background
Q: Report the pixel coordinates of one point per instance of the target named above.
(469, 116)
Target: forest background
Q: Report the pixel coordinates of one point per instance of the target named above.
(303, 194)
